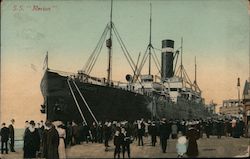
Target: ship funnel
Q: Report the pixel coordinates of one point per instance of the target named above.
(167, 59)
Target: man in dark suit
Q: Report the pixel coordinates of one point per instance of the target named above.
(12, 135)
(140, 132)
(164, 134)
(153, 132)
(4, 133)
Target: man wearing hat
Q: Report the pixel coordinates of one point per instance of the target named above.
(153, 133)
(164, 129)
(4, 134)
(12, 135)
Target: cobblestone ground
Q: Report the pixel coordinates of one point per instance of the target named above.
(208, 148)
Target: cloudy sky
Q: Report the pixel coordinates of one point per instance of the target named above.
(215, 31)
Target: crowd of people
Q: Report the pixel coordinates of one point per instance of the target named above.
(46, 141)
(49, 139)
(6, 134)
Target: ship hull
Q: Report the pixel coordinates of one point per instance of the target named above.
(105, 102)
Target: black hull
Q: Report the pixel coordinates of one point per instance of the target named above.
(105, 102)
(109, 103)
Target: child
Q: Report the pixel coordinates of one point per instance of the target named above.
(181, 146)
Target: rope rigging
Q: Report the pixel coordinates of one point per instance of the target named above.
(135, 68)
(77, 104)
(96, 52)
(143, 61)
(157, 60)
(124, 50)
(148, 53)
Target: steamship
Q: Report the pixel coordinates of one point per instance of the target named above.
(81, 97)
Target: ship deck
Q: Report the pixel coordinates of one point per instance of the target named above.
(212, 147)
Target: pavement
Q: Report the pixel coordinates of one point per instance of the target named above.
(208, 148)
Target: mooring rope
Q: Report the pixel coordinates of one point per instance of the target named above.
(85, 102)
(79, 109)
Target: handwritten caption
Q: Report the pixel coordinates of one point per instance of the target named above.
(33, 8)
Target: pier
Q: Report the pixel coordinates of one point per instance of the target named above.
(208, 148)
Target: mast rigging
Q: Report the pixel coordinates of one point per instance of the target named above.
(110, 28)
(109, 46)
(148, 53)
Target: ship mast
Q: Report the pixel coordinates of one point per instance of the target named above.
(249, 43)
(109, 31)
(195, 74)
(109, 46)
(181, 59)
(149, 54)
(181, 72)
(150, 44)
(46, 62)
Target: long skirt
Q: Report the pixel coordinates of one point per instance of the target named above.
(61, 149)
(192, 149)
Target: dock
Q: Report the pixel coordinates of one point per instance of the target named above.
(208, 148)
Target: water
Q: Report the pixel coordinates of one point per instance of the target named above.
(19, 138)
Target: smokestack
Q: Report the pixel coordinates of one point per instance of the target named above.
(167, 59)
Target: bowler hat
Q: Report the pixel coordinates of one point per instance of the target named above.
(32, 122)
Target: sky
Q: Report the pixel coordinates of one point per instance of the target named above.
(215, 31)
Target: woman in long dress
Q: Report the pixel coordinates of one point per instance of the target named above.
(31, 141)
(192, 136)
(62, 135)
